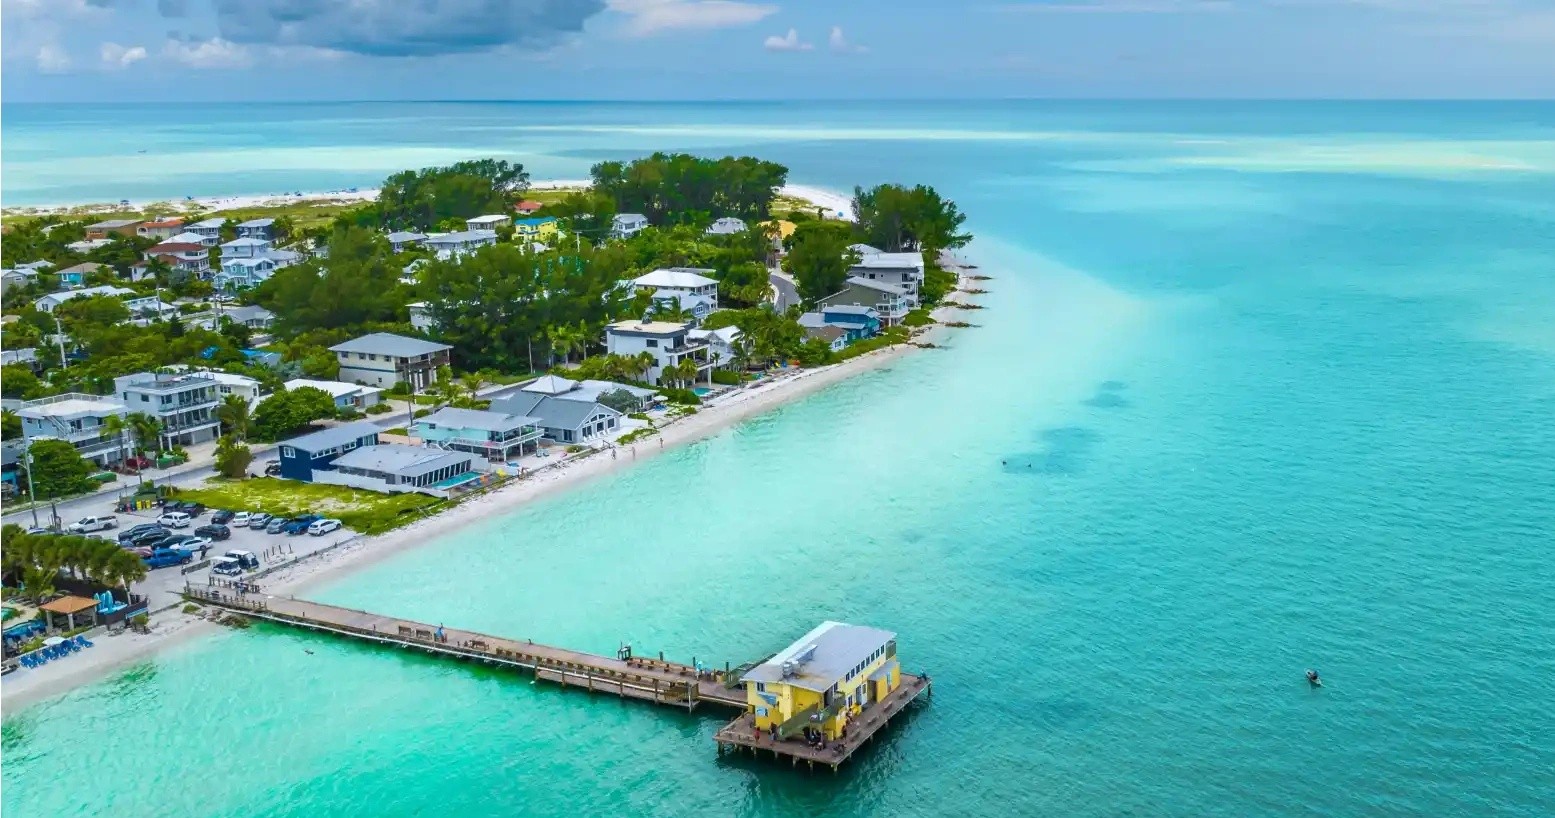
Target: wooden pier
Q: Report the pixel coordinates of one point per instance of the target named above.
(648, 679)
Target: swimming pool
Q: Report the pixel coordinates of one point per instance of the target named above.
(702, 391)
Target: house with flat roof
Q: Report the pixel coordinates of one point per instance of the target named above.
(396, 469)
(726, 226)
(490, 221)
(257, 229)
(692, 289)
(455, 245)
(541, 230)
(904, 270)
(346, 395)
(384, 359)
(76, 418)
(49, 302)
(564, 421)
(103, 229)
(160, 228)
(305, 456)
(401, 240)
(825, 679)
(492, 434)
(890, 302)
(184, 403)
(669, 343)
(626, 225)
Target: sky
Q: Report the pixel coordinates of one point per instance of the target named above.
(205, 50)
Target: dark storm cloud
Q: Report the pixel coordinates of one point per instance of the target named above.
(403, 28)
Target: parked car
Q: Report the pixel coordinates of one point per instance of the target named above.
(137, 463)
(227, 567)
(241, 519)
(273, 468)
(319, 528)
(135, 531)
(244, 558)
(174, 519)
(258, 519)
(299, 525)
(153, 533)
(223, 516)
(214, 531)
(168, 556)
(188, 507)
(86, 525)
(277, 525)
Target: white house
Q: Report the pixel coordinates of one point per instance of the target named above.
(626, 225)
(420, 315)
(183, 402)
(191, 237)
(346, 395)
(726, 226)
(491, 222)
(87, 245)
(191, 257)
(78, 419)
(683, 288)
(721, 344)
(384, 359)
(670, 343)
(52, 300)
(399, 240)
(160, 229)
(454, 245)
(904, 270)
(257, 229)
(248, 262)
(209, 230)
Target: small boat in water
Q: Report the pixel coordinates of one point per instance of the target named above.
(1313, 679)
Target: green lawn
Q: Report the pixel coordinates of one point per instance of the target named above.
(365, 511)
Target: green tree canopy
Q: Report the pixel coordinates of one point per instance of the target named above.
(819, 258)
(232, 458)
(422, 199)
(681, 188)
(289, 411)
(896, 219)
(358, 283)
(58, 470)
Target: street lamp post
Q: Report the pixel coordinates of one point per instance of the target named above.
(32, 496)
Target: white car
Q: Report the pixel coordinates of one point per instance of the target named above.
(240, 520)
(174, 519)
(319, 528)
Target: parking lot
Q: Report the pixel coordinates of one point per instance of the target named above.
(163, 586)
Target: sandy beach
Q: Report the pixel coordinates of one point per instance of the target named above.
(831, 200)
(172, 627)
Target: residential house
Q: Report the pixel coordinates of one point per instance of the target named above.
(397, 469)
(890, 302)
(85, 246)
(191, 237)
(26, 356)
(495, 435)
(209, 230)
(862, 250)
(904, 270)
(684, 288)
(488, 222)
(263, 357)
(834, 673)
(456, 245)
(160, 228)
(401, 240)
(252, 316)
(528, 207)
(17, 278)
(626, 225)
(858, 322)
(241, 385)
(836, 338)
(589, 391)
(564, 421)
(48, 302)
(346, 395)
(408, 273)
(304, 457)
(39, 266)
(384, 359)
(248, 262)
(78, 419)
(184, 403)
(188, 257)
(10, 466)
(140, 270)
(420, 316)
(542, 230)
(722, 345)
(257, 229)
(102, 230)
(76, 274)
(149, 306)
(668, 342)
(726, 226)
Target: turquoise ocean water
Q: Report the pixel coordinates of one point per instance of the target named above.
(1262, 387)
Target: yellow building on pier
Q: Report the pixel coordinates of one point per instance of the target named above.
(823, 680)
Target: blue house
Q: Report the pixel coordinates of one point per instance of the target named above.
(302, 456)
(860, 322)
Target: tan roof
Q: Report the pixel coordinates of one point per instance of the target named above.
(164, 223)
(69, 605)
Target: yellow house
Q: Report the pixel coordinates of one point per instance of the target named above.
(823, 680)
(542, 230)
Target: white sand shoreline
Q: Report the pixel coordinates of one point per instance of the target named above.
(170, 628)
(828, 199)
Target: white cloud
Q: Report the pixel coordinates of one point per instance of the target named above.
(648, 17)
(840, 44)
(212, 53)
(117, 56)
(52, 59)
(787, 42)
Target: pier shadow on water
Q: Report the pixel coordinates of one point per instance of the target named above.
(1065, 453)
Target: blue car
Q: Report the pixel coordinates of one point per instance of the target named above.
(299, 525)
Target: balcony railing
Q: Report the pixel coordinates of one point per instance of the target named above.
(688, 346)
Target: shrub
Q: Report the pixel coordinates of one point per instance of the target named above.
(396, 430)
(675, 394)
(379, 409)
(634, 436)
(348, 413)
(191, 608)
(727, 377)
(918, 318)
(421, 413)
(400, 388)
(574, 449)
(640, 416)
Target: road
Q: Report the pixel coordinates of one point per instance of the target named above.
(788, 292)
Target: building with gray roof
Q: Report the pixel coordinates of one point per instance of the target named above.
(383, 359)
(305, 457)
(830, 654)
(563, 420)
(394, 468)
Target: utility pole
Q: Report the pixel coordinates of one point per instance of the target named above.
(59, 336)
(32, 496)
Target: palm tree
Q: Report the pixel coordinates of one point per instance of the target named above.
(234, 415)
(645, 362)
(742, 352)
(145, 427)
(117, 426)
